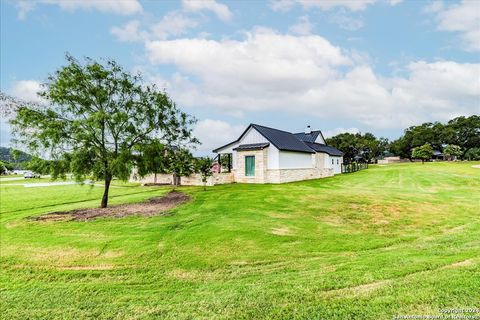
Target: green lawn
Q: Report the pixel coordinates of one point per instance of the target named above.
(390, 240)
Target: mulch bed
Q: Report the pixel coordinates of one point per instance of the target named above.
(154, 206)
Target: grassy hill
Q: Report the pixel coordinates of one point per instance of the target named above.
(390, 240)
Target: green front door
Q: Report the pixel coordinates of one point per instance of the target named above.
(250, 166)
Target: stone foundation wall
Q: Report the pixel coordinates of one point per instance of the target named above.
(290, 175)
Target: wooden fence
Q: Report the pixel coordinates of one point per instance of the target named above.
(353, 167)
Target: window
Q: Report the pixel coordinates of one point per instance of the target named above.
(250, 166)
(332, 161)
(337, 161)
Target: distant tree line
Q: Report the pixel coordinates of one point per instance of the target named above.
(458, 138)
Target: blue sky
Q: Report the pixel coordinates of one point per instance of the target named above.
(337, 65)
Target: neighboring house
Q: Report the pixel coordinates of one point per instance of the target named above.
(438, 155)
(267, 155)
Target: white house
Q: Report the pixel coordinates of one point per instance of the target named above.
(267, 155)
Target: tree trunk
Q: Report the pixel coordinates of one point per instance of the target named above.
(423, 161)
(155, 178)
(108, 179)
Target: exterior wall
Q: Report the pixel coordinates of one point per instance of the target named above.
(261, 163)
(192, 180)
(252, 136)
(319, 160)
(320, 139)
(337, 164)
(294, 160)
(290, 175)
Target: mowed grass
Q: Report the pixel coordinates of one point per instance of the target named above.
(390, 240)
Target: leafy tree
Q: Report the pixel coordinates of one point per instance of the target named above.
(181, 164)
(366, 146)
(463, 132)
(452, 151)
(424, 152)
(473, 154)
(416, 136)
(3, 168)
(153, 158)
(204, 167)
(98, 116)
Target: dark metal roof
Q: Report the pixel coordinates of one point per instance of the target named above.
(252, 146)
(286, 141)
(318, 147)
(283, 140)
(308, 137)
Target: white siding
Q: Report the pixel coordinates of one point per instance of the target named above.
(253, 136)
(320, 139)
(294, 160)
(337, 167)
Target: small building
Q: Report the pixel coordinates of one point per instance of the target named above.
(267, 155)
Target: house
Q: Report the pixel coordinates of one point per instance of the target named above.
(267, 155)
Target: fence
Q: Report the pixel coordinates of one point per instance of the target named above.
(353, 167)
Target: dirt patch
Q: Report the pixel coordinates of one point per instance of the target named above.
(153, 206)
(283, 231)
(464, 263)
(78, 268)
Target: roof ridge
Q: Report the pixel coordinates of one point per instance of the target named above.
(259, 125)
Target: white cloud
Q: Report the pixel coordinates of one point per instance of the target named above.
(220, 10)
(307, 75)
(333, 132)
(121, 7)
(173, 23)
(26, 90)
(129, 32)
(345, 20)
(215, 133)
(302, 27)
(463, 18)
(353, 5)
(394, 2)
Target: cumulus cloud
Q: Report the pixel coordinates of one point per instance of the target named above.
(215, 133)
(302, 27)
(463, 18)
(345, 20)
(121, 7)
(173, 23)
(307, 75)
(220, 10)
(352, 5)
(26, 90)
(333, 132)
(129, 32)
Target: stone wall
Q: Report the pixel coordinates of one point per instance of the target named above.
(261, 164)
(192, 180)
(290, 175)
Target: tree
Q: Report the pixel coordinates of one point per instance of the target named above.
(181, 164)
(204, 167)
(463, 132)
(153, 158)
(424, 152)
(3, 168)
(452, 151)
(352, 145)
(96, 118)
(473, 154)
